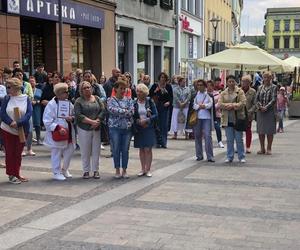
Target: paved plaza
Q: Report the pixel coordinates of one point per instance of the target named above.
(185, 205)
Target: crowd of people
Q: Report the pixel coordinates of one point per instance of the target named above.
(78, 111)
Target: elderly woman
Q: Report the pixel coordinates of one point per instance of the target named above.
(232, 103)
(89, 112)
(120, 121)
(181, 99)
(162, 94)
(203, 104)
(10, 125)
(145, 114)
(60, 135)
(250, 107)
(266, 107)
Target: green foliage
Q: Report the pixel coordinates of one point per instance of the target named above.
(296, 96)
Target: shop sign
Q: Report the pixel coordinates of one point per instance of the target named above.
(186, 24)
(190, 46)
(158, 34)
(72, 12)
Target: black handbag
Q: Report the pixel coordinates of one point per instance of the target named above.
(241, 124)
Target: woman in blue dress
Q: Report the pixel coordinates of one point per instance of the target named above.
(145, 114)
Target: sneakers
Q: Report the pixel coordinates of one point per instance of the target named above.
(243, 160)
(86, 175)
(66, 173)
(59, 177)
(221, 145)
(14, 180)
(149, 174)
(96, 175)
(141, 174)
(102, 147)
(228, 161)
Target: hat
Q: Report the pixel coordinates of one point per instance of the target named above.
(282, 88)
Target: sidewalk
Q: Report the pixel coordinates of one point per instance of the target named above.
(185, 205)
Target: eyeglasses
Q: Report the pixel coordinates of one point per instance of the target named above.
(87, 87)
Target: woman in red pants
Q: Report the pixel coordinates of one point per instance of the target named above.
(9, 126)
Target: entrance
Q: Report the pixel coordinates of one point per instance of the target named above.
(157, 61)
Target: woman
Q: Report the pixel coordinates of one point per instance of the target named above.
(89, 112)
(266, 107)
(37, 109)
(102, 80)
(59, 126)
(120, 120)
(162, 95)
(130, 85)
(9, 126)
(250, 107)
(181, 98)
(282, 102)
(232, 103)
(145, 114)
(215, 95)
(203, 105)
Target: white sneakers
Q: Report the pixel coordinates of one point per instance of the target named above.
(59, 177)
(243, 160)
(221, 145)
(66, 173)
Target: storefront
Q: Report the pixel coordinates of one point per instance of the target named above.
(191, 47)
(32, 30)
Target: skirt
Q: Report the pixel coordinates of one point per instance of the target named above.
(175, 126)
(266, 122)
(145, 137)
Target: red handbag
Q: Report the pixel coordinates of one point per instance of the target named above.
(56, 136)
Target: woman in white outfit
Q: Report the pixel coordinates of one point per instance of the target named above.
(181, 100)
(89, 112)
(60, 149)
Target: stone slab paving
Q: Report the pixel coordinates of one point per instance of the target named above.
(185, 205)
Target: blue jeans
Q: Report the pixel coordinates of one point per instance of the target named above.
(231, 135)
(203, 130)
(280, 117)
(218, 129)
(120, 139)
(163, 122)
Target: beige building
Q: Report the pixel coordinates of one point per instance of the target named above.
(222, 10)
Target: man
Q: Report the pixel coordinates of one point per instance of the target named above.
(16, 66)
(40, 75)
(108, 86)
(26, 89)
(147, 81)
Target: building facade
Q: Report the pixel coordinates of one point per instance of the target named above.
(30, 34)
(237, 7)
(191, 41)
(221, 10)
(282, 29)
(145, 37)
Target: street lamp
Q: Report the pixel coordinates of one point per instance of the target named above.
(215, 21)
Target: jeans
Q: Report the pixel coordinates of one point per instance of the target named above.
(120, 139)
(163, 122)
(231, 135)
(203, 130)
(218, 129)
(280, 118)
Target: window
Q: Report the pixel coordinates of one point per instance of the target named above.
(286, 25)
(142, 59)
(276, 42)
(297, 25)
(77, 48)
(287, 42)
(191, 6)
(276, 25)
(184, 4)
(150, 2)
(296, 42)
(166, 4)
(198, 7)
(167, 60)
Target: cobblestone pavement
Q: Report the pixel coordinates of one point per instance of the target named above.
(185, 205)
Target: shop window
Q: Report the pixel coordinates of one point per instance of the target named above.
(297, 25)
(286, 25)
(276, 25)
(142, 59)
(287, 42)
(167, 60)
(276, 42)
(77, 48)
(296, 42)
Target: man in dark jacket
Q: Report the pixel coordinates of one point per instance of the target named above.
(108, 86)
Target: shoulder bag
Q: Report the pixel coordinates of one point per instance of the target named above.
(241, 124)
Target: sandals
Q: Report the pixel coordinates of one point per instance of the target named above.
(261, 152)
(23, 179)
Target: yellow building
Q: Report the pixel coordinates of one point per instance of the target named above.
(282, 29)
(222, 10)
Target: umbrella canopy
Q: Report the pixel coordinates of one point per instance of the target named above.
(293, 61)
(245, 57)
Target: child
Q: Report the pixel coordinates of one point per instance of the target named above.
(282, 101)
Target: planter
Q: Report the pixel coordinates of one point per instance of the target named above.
(294, 109)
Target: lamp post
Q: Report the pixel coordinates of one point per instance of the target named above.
(215, 21)
(61, 52)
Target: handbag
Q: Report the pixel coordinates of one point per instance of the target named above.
(193, 118)
(241, 124)
(181, 117)
(56, 136)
